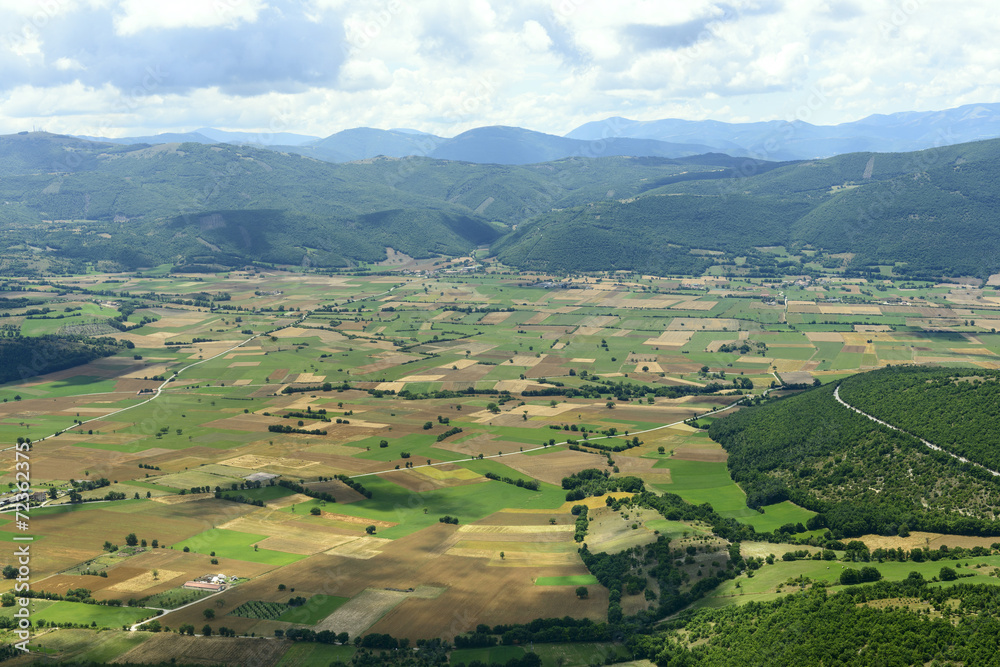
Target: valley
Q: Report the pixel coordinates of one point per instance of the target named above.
(406, 454)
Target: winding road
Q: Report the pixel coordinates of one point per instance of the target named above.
(836, 395)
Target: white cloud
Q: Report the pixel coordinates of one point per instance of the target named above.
(444, 66)
(364, 75)
(65, 64)
(135, 16)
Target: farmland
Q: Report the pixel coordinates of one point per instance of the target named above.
(412, 398)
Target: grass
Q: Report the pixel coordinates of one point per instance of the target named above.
(777, 515)
(766, 581)
(314, 610)
(569, 580)
(490, 655)
(575, 655)
(88, 646)
(700, 482)
(175, 597)
(80, 613)
(302, 654)
(391, 502)
(236, 545)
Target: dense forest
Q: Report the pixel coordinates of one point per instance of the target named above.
(952, 408)
(929, 213)
(25, 357)
(861, 477)
(885, 624)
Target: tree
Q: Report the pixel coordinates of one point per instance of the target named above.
(207, 630)
(850, 576)
(582, 592)
(53, 494)
(501, 555)
(370, 530)
(209, 614)
(315, 511)
(947, 574)
(131, 540)
(9, 572)
(428, 426)
(186, 629)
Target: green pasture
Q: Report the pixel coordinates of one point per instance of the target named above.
(314, 610)
(391, 502)
(236, 545)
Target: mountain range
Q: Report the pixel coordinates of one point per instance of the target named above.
(74, 202)
(770, 140)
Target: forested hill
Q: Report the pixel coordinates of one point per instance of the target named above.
(955, 409)
(861, 477)
(143, 205)
(902, 623)
(225, 205)
(933, 212)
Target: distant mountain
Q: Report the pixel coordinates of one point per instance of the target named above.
(779, 140)
(513, 145)
(483, 145)
(165, 138)
(362, 143)
(919, 215)
(220, 205)
(209, 135)
(262, 138)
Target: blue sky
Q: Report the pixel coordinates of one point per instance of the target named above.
(132, 67)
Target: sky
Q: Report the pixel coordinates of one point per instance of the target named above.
(118, 68)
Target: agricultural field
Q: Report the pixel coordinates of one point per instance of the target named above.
(389, 447)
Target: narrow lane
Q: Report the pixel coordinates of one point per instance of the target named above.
(836, 395)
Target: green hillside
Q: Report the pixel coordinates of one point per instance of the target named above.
(226, 205)
(861, 477)
(949, 407)
(927, 213)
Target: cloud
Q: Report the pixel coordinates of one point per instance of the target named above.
(319, 66)
(135, 16)
(260, 55)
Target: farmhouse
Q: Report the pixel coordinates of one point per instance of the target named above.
(204, 586)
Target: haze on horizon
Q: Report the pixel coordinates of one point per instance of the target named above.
(127, 67)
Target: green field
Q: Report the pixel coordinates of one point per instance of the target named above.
(80, 613)
(314, 610)
(703, 482)
(494, 654)
(307, 654)
(777, 515)
(234, 544)
(391, 502)
(87, 646)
